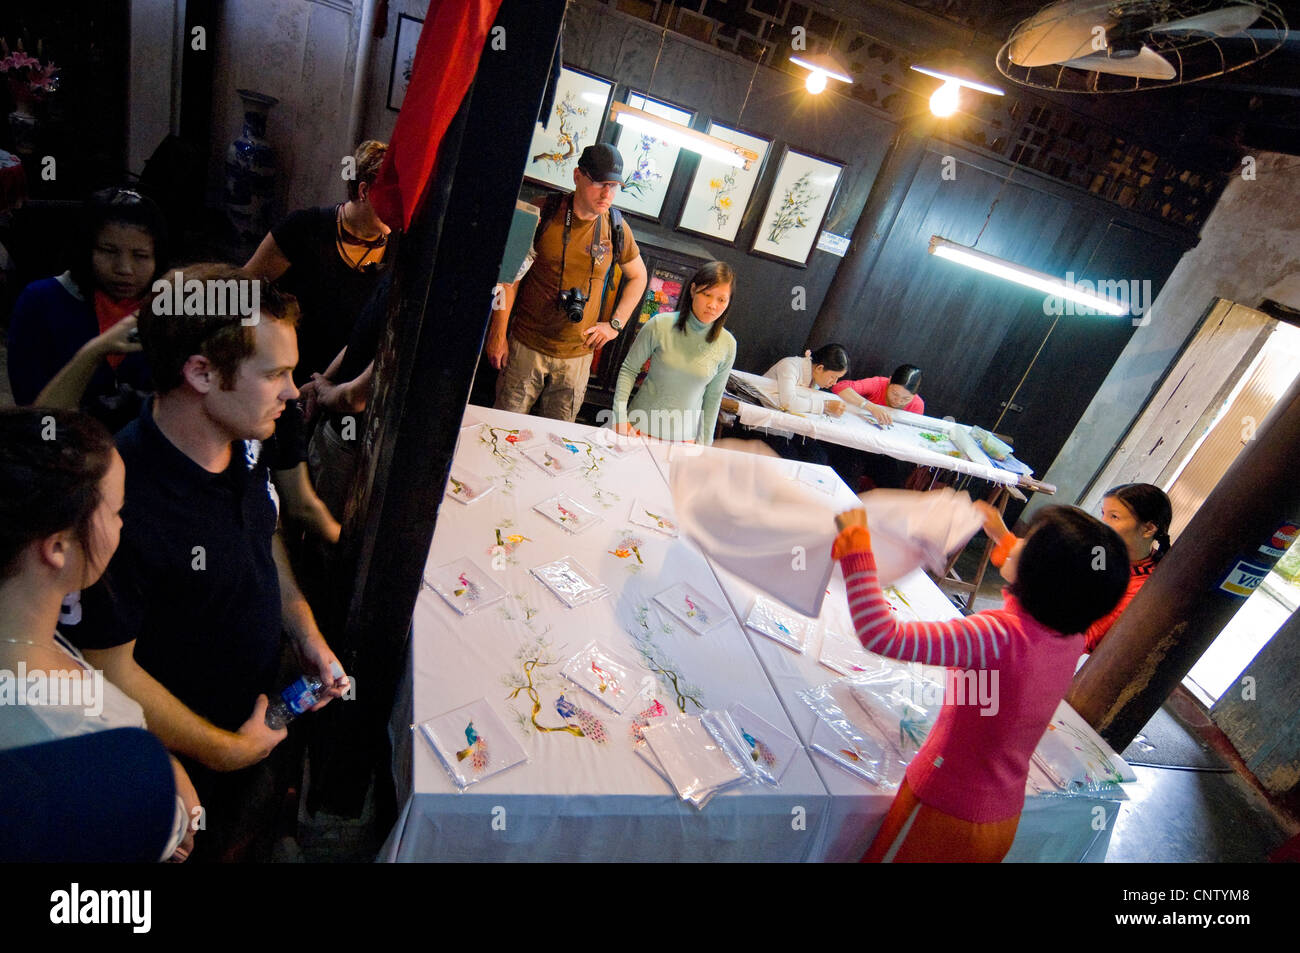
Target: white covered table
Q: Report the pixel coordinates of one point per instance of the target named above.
(578, 800)
(902, 440)
(574, 799)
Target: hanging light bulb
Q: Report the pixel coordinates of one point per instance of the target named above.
(820, 67)
(946, 99)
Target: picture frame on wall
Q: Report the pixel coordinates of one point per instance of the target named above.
(796, 209)
(408, 38)
(575, 121)
(648, 161)
(719, 194)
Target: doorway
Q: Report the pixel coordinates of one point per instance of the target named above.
(1210, 406)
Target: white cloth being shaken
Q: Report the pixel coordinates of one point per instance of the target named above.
(910, 530)
(749, 514)
(775, 532)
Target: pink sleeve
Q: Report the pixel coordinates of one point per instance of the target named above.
(859, 387)
(976, 642)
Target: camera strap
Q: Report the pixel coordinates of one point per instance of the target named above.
(591, 249)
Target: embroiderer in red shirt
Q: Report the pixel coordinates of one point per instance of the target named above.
(1141, 514)
(880, 394)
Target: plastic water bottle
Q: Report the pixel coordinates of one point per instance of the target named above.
(298, 697)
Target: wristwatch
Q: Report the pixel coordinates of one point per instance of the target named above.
(616, 324)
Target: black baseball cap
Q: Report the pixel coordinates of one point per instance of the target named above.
(602, 163)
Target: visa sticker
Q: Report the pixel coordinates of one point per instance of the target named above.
(1244, 578)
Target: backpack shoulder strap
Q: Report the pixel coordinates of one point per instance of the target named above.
(551, 206)
(616, 232)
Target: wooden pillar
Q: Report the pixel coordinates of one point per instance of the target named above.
(840, 308)
(447, 268)
(1191, 597)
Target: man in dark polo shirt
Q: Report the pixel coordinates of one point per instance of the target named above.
(188, 616)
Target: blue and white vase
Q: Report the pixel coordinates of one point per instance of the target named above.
(250, 171)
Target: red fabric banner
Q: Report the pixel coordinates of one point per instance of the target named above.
(446, 60)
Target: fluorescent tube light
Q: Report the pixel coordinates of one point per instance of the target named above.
(683, 136)
(1010, 271)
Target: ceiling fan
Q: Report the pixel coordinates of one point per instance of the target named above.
(1100, 46)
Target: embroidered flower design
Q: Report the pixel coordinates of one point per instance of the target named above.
(468, 588)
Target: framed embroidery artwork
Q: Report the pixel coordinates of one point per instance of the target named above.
(720, 193)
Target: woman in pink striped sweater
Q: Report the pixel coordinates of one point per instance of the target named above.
(963, 792)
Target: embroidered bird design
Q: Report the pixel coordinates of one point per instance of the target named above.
(477, 751)
(589, 723)
(607, 681)
(759, 751)
(692, 610)
(642, 719)
(467, 588)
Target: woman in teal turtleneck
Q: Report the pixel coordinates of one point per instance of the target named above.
(690, 354)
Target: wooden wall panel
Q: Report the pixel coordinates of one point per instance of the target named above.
(763, 319)
(974, 336)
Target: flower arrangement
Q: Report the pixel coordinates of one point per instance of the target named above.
(26, 73)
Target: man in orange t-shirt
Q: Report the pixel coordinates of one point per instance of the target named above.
(553, 332)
